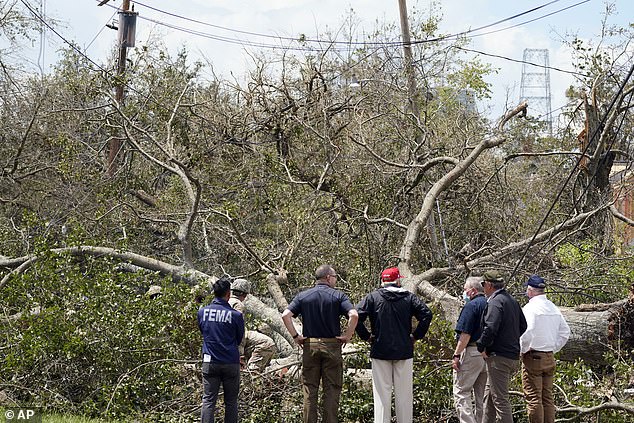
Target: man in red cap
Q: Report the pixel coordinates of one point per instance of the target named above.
(390, 310)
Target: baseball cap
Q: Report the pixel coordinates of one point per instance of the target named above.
(390, 275)
(535, 281)
(493, 276)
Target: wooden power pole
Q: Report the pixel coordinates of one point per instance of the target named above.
(409, 61)
(125, 39)
(413, 99)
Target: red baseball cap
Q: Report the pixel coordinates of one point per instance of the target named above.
(390, 275)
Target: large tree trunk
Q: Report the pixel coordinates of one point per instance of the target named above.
(597, 329)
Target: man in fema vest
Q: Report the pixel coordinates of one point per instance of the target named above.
(222, 329)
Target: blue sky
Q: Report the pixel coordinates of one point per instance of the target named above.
(82, 21)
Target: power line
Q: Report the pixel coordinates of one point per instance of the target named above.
(223, 38)
(336, 42)
(60, 36)
(572, 172)
(100, 31)
(510, 59)
(531, 20)
(462, 34)
(351, 43)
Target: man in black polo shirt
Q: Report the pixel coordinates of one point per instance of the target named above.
(502, 325)
(320, 308)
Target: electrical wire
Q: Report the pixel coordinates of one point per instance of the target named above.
(572, 172)
(329, 45)
(510, 59)
(100, 31)
(225, 39)
(531, 20)
(61, 37)
(351, 43)
(336, 42)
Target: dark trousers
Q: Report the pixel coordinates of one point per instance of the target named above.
(537, 381)
(322, 361)
(215, 374)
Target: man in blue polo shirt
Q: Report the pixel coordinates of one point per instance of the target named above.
(320, 308)
(470, 372)
(222, 329)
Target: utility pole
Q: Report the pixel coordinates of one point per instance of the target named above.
(412, 98)
(409, 60)
(126, 32)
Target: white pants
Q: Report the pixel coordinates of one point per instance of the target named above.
(397, 374)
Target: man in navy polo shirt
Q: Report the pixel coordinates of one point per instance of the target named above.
(222, 329)
(470, 372)
(320, 308)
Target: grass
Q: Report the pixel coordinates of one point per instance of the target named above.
(59, 418)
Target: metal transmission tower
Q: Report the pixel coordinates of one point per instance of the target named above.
(535, 87)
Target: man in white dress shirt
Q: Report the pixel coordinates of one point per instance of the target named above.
(546, 334)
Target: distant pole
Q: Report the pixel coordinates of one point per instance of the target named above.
(115, 142)
(412, 99)
(409, 61)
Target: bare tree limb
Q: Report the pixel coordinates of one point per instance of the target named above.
(620, 216)
(612, 405)
(190, 276)
(243, 242)
(442, 184)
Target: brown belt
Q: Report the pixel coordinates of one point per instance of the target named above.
(309, 340)
(536, 354)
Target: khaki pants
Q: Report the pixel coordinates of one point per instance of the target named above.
(537, 381)
(468, 386)
(258, 350)
(322, 362)
(497, 405)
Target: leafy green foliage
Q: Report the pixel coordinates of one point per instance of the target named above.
(595, 281)
(96, 340)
